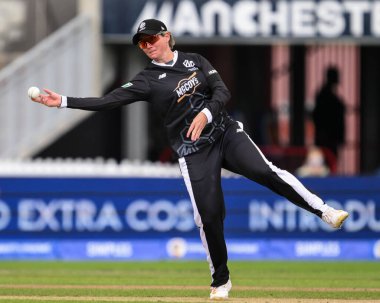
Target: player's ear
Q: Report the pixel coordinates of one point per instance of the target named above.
(171, 40)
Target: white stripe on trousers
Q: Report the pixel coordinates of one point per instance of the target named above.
(311, 199)
(197, 217)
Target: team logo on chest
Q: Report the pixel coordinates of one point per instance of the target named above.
(188, 63)
(186, 87)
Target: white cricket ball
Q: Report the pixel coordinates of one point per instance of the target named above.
(33, 92)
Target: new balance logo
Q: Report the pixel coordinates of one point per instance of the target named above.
(162, 76)
(126, 85)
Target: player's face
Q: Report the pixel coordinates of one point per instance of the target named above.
(155, 46)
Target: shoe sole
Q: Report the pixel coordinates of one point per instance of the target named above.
(341, 220)
(218, 299)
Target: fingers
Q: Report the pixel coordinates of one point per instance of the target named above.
(197, 126)
(49, 92)
(191, 128)
(43, 99)
(37, 99)
(196, 134)
(40, 99)
(51, 99)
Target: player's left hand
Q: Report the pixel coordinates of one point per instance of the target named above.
(197, 126)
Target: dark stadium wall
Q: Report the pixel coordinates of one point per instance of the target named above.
(97, 136)
(370, 110)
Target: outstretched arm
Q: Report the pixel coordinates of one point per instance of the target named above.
(136, 90)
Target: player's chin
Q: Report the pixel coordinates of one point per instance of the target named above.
(152, 55)
(153, 58)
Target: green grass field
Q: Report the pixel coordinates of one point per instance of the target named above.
(188, 282)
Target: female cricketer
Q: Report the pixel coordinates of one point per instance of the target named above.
(190, 95)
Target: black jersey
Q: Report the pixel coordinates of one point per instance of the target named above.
(178, 92)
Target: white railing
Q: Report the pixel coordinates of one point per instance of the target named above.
(80, 167)
(62, 62)
(91, 168)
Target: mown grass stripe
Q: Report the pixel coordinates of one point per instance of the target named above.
(173, 299)
(186, 287)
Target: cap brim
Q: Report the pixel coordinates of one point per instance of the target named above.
(136, 37)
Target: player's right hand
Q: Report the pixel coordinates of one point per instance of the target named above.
(51, 98)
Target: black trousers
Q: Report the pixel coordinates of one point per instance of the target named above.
(201, 171)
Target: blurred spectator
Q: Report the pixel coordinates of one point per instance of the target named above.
(314, 165)
(329, 113)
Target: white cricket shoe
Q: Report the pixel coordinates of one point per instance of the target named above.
(221, 292)
(334, 217)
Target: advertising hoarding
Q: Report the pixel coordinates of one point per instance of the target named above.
(248, 21)
(138, 218)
